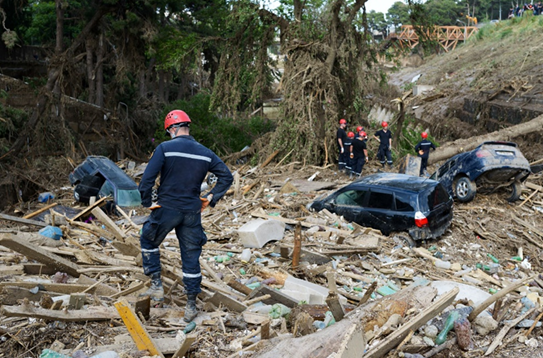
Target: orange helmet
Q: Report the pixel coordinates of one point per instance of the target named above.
(384, 124)
(176, 117)
(350, 135)
(424, 135)
(359, 128)
(342, 121)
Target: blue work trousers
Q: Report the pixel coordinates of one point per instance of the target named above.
(191, 237)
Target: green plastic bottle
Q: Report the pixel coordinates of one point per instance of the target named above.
(47, 353)
(190, 327)
(495, 260)
(449, 324)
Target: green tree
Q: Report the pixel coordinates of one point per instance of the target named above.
(398, 14)
(443, 12)
(377, 22)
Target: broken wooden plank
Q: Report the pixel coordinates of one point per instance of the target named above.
(104, 219)
(96, 287)
(232, 304)
(11, 270)
(486, 303)
(92, 313)
(165, 345)
(38, 212)
(499, 337)
(89, 208)
(185, 346)
(10, 295)
(140, 336)
(126, 248)
(415, 323)
(276, 296)
(33, 252)
(22, 221)
(64, 288)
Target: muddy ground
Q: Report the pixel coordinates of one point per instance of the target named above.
(484, 226)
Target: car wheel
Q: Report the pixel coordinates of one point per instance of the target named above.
(516, 191)
(405, 238)
(465, 189)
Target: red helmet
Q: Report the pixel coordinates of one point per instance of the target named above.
(384, 124)
(342, 121)
(424, 135)
(176, 117)
(350, 135)
(359, 128)
(362, 134)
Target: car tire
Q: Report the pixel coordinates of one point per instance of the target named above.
(465, 189)
(516, 191)
(405, 238)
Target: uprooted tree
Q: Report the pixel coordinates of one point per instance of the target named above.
(328, 69)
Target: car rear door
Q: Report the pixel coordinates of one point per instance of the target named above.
(440, 207)
(350, 204)
(379, 210)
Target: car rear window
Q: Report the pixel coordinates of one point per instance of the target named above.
(438, 196)
(379, 200)
(403, 204)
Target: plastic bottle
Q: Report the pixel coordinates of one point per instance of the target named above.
(449, 324)
(329, 319)
(442, 264)
(245, 255)
(47, 353)
(45, 197)
(190, 327)
(495, 260)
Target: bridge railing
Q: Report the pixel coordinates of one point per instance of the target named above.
(447, 36)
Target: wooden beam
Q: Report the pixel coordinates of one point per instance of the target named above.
(22, 221)
(140, 336)
(37, 212)
(92, 313)
(104, 219)
(89, 208)
(33, 252)
(415, 323)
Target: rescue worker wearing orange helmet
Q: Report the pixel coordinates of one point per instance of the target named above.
(347, 147)
(183, 164)
(423, 151)
(384, 136)
(341, 138)
(358, 130)
(359, 153)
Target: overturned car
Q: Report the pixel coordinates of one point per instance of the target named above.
(99, 176)
(490, 166)
(393, 202)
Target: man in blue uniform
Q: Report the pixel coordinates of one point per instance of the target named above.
(347, 147)
(182, 163)
(423, 151)
(384, 136)
(359, 153)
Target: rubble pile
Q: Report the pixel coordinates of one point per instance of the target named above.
(278, 279)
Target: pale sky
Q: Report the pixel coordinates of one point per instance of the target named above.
(379, 5)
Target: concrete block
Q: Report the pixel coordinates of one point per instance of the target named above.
(420, 89)
(306, 291)
(259, 232)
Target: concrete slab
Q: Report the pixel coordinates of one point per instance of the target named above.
(259, 232)
(420, 89)
(466, 291)
(311, 293)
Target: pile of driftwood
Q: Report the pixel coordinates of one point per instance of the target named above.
(378, 289)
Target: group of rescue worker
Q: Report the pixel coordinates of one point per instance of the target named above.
(353, 152)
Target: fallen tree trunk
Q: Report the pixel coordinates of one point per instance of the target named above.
(461, 145)
(346, 339)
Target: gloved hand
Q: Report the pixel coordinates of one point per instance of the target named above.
(352, 155)
(154, 206)
(205, 201)
(341, 150)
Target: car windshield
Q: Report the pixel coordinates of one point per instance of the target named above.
(123, 197)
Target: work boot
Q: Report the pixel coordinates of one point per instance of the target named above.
(156, 291)
(191, 311)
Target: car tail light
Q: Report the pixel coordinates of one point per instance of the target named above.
(483, 153)
(420, 219)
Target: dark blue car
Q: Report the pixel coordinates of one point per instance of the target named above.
(490, 166)
(392, 202)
